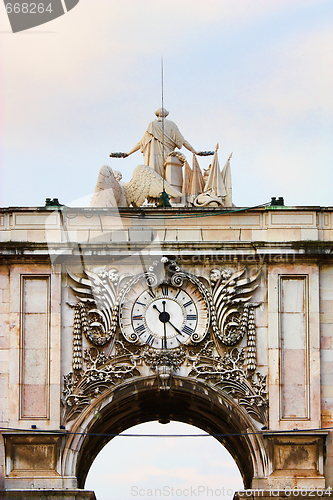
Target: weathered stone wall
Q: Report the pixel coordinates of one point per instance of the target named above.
(4, 360)
(294, 322)
(326, 355)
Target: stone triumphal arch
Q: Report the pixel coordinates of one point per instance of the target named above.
(200, 312)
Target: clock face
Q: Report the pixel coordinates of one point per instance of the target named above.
(164, 317)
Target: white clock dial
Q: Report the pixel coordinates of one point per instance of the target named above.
(164, 317)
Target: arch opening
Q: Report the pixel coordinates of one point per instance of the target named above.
(191, 402)
(160, 466)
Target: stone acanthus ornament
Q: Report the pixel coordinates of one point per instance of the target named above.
(230, 373)
(232, 314)
(101, 372)
(96, 313)
(146, 184)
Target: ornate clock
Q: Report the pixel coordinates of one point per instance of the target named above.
(164, 317)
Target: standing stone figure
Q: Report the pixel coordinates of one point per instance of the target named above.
(153, 143)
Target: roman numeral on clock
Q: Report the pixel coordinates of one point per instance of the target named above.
(140, 329)
(150, 340)
(191, 317)
(165, 290)
(188, 303)
(187, 330)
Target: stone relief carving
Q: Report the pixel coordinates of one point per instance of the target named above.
(231, 374)
(164, 363)
(232, 315)
(213, 357)
(172, 358)
(96, 313)
(101, 372)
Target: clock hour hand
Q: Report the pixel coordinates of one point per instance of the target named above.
(164, 317)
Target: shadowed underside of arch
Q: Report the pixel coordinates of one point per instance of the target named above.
(142, 400)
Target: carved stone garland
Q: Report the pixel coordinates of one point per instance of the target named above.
(232, 316)
(230, 374)
(101, 373)
(77, 339)
(156, 358)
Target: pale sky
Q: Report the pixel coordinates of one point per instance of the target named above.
(195, 467)
(254, 75)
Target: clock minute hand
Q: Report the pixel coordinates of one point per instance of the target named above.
(164, 327)
(165, 318)
(173, 326)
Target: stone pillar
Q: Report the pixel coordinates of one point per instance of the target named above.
(174, 174)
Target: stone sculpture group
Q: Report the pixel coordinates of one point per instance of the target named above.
(165, 169)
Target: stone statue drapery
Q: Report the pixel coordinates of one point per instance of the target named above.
(154, 147)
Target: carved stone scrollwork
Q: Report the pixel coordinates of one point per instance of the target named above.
(230, 309)
(173, 358)
(229, 317)
(230, 374)
(164, 363)
(101, 372)
(98, 307)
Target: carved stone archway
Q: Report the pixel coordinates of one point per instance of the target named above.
(141, 400)
(253, 363)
